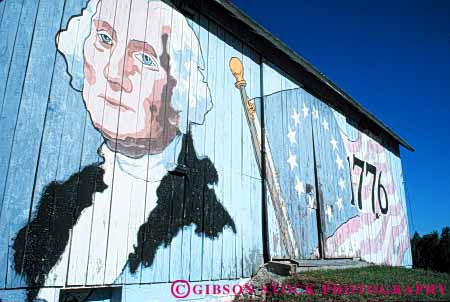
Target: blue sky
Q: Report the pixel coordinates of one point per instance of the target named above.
(394, 58)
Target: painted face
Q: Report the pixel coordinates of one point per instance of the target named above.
(127, 82)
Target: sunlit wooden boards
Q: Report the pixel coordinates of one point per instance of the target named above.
(341, 185)
(289, 140)
(49, 137)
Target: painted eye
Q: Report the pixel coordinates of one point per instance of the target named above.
(147, 60)
(105, 38)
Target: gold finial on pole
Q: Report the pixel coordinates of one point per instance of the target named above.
(237, 69)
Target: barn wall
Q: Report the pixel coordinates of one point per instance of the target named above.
(50, 146)
(358, 200)
(86, 199)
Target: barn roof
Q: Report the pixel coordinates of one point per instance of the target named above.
(266, 44)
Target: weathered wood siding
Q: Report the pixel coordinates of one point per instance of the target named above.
(359, 193)
(76, 211)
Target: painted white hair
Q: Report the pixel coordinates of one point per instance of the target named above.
(191, 96)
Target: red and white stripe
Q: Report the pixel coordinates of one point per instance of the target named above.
(386, 239)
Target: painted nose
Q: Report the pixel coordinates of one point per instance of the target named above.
(117, 72)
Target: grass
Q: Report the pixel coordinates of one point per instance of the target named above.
(315, 281)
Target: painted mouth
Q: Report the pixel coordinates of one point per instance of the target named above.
(115, 103)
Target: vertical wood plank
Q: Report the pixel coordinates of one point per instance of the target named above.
(376, 157)
(368, 157)
(290, 143)
(8, 115)
(160, 269)
(255, 251)
(29, 129)
(271, 84)
(179, 246)
(237, 203)
(200, 132)
(226, 140)
(9, 29)
(252, 229)
(187, 252)
(275, 244)
(126, 204)
(252, 75)
(102, 204)
(2, 9)
(9, 112)
(90, 140)
(219, 158)
(334, 183)
(209, 143)
(63, 135)
(303, 186)
(397, 173)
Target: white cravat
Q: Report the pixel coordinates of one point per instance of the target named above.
(148, 167)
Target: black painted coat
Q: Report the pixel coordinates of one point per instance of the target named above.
(183, 199)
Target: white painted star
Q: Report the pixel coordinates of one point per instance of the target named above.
(296, 117)
(310, 204)
(334, 143)
(299, 187)
(325, 125)
(292, 161)
(342, 183)
(339, 203)
(329, 213)
(339, 162)
(291, 136)
(315, 113)
(305, 110)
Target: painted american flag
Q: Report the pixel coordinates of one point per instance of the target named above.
(295, 122)
(377, 238)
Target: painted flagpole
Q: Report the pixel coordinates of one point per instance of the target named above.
(279, 204)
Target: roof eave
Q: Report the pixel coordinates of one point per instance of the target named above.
(258, 29)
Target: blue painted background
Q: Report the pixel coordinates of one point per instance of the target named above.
(47, 136)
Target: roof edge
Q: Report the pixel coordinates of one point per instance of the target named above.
(264, 33)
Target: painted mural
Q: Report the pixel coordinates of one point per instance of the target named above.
(129, 159)
(346, 187)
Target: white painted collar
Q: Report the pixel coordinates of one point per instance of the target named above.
(150, 168)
